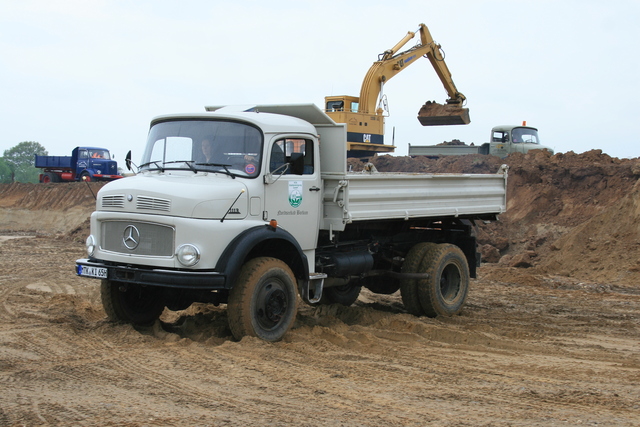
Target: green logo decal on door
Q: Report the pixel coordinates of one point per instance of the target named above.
(295, 193)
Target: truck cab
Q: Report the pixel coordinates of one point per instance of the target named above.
(93, 164)
(509, 139)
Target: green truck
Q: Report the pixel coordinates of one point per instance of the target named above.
(504, 140)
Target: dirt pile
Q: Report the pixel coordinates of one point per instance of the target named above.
(46, 209)
(605, 247)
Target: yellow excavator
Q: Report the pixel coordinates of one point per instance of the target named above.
(365, 115)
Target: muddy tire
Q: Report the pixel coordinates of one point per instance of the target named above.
(131, 303)
(263, 301)
(445, 291)
(409, 287)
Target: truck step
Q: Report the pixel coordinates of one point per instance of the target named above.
(311, 291)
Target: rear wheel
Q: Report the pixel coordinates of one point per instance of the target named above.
(131, 303)
(263, 301)
(49, 177)
(408, 287)
(445, 291)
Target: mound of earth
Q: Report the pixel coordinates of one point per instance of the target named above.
(47, 209)
(605, 247)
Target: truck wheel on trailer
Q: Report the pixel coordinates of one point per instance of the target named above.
(131, 303)
(409, 287)
(48, 177)
(263, 301)
(445, 291)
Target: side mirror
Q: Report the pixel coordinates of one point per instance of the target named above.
(297, 163)
(127, 160)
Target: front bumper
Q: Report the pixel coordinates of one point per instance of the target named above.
(156, 276)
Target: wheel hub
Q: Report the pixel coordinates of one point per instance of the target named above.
(275, 305)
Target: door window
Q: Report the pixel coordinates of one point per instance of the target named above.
(292, 156)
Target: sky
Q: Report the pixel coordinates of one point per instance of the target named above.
(77, 72)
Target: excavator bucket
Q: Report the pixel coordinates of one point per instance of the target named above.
(434, 114)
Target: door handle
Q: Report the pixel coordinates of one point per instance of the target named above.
(314, 189)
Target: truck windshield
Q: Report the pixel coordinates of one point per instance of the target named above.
(525, 135)
(204, 145)
(99, 154)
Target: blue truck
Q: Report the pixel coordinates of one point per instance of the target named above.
(84, 164)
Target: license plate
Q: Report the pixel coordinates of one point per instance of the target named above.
(88, 271)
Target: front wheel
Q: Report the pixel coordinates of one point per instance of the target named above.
(131, 303)
(85, 176)
(263, 301)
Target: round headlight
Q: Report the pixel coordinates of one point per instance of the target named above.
(188, 255)
(91, 245)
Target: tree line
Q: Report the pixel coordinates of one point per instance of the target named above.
(17, 163)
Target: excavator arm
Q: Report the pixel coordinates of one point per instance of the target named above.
(364, 115)
(390, 63)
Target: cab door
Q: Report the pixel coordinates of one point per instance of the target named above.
(293, 189)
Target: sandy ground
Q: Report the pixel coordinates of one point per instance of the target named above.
(553, 342)
(527, 350)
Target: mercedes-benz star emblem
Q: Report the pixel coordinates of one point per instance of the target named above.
(131, 237)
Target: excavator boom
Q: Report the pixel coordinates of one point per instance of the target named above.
(364, 115)
(391, 63)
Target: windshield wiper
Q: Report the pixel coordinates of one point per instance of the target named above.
(222, 165)
(188, 162)
(155, 162)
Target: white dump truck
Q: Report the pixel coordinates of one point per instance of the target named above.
(254, 208)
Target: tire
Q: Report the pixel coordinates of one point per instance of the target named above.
(48, 177)
(409, 287)
(263, 301)
(345, 294)
(445, 291)
(85, 176)
(131, 303)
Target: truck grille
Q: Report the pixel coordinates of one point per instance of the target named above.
(152, 203)
(137, 238)
(115, 201)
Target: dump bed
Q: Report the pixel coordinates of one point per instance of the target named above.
(447, 150)
(61, 162)
(382, 196)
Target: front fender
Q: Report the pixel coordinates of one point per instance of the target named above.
(258, 241)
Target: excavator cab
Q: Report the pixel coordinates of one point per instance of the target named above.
(365, 132)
